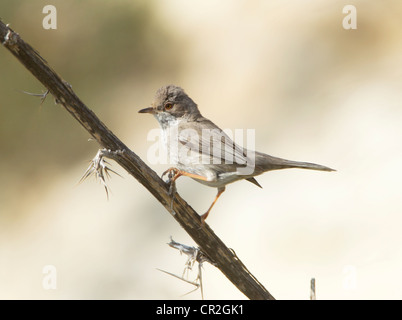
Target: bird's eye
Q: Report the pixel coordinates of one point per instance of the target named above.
(168, 106)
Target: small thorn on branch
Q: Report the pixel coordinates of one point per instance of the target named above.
(194, 255)
(41, 95)
(10, 37)
(99, 168)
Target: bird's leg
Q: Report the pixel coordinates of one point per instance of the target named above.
(205, 215)
(173, 175)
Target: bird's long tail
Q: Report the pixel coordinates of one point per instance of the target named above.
(264, 162)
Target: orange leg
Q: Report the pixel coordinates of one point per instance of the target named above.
(173, 175)
(205, 215)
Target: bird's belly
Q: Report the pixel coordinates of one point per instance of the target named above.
(218, 183)
(213, 177)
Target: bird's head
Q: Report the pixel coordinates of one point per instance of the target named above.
(172, 103)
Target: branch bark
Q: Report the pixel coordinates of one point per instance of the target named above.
(223, 258)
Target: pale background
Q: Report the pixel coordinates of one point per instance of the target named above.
(311, 90)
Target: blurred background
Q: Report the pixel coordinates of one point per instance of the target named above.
(312, 91)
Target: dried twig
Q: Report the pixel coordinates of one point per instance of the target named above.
(194, 255)
(312, 289)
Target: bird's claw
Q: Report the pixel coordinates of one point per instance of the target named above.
(172, 175)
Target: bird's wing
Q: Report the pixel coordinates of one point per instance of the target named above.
(212, 144)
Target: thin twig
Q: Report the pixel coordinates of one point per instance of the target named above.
(312, 289)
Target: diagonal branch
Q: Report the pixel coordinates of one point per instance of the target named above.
(223, 258)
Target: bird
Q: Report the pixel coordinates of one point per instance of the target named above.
(199, 149)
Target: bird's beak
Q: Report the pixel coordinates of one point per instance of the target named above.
(147, 110)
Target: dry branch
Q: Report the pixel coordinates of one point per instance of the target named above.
(223, 258)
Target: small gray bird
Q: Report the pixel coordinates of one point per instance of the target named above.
(201, 150)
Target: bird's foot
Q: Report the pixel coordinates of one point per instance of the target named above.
(172, 175)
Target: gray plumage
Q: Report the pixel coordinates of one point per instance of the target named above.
(201, 150)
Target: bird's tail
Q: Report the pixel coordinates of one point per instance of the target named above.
(264, 162)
